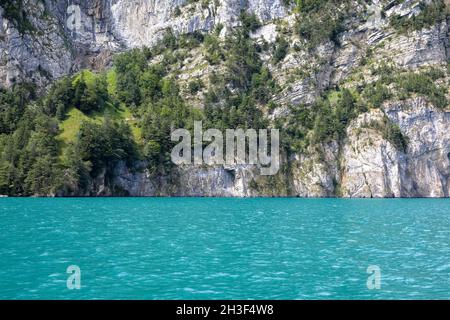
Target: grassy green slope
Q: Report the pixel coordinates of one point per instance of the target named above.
(70, 126)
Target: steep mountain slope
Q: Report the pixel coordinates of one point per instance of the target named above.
(358, 89)
(56, 37)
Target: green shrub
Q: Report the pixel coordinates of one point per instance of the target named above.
(129, 67)
(250, 22)
(281, 49)
(205, 4)
(190, 40)
(319, 21)
(263, 85)
(431, 14)
(376, 94)
(177, 11)
(13, 104)
(195, 86)
(324, 121)
(169, 41)
(390, 132)
(29, 156)
(423, 84)
(15, 12)
(214, 53)
(393, 134)
(89, 97)
(104, 144)
(59, 98)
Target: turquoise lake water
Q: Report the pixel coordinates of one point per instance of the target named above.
(206, 248)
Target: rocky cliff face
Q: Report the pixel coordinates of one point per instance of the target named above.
(38, 54)
(66, 35)
(364, 164)
(141, 22)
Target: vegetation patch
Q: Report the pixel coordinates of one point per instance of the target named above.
(320, 20)
(15, 12)
(432, 13)
(89, 122)
(390, 132)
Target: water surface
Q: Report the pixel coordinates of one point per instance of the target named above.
(212, 248)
